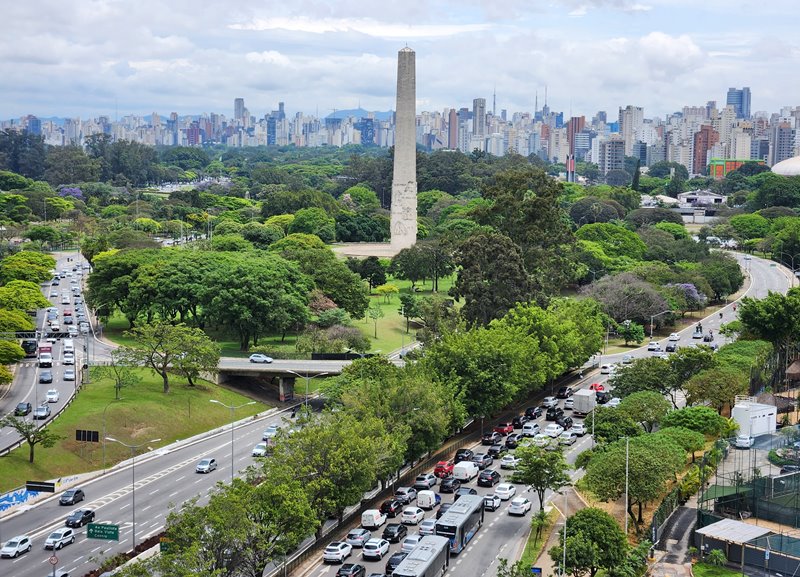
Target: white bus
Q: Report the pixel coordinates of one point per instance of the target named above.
(430, 558)
(461, 521)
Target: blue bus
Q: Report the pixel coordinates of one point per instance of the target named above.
(461, 521)
(430, 558)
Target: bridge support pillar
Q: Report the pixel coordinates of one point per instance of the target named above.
(286, 388)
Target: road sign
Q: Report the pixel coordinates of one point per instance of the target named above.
(102, 531)
(53, 560)
(40, 486)
(90, 436)
(536, 571)
(165, 544)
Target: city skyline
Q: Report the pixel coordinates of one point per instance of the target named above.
(113, 59)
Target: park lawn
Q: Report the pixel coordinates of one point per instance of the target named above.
(533, 548)
(143, 413)
(708, 570)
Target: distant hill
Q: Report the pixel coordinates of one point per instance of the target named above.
(361, 113)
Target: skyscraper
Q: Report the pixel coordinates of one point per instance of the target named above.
(238, 110)
(704, 139)
(404, 177)
(631, 119)
(452, 129)
(479, 117)
(740, 100)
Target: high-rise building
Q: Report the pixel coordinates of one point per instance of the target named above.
(781, 145)
(452, 129)
(740, 100)
(239, 110)
(631, 119)
(479, 117)
(704, 139)
(612, 155)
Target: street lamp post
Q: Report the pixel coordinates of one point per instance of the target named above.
(233, 424)
(308, 378)
(652, 318)
(104, 431)
(133, 479)
(791, 259)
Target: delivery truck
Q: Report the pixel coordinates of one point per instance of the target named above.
(584, 402)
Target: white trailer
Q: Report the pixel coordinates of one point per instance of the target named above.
(754, 418)
(584, 402)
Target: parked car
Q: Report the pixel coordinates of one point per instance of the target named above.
(519, 506)
(71, 496)
(492, 502)
(41, 412)
(425, 481)
(206, 465)
(491, 438)
(375, 549)
(597, 387)
(564, 392)
(482, 460)
(463, 455)
(79, 518)
(518, 421)
(444, 469)
(530, 429)
(488, 478)
(336, 552)
(786, 469)
(394, 561)
(743, 441)
(52, 396)
(548, 402)
(391, 507)
(405, 494)
(357, 537)
(259, 358)
(60, 538)
(449, 485)
(412, 516)
(533, 412)
(505, 491)
(428, 526)
(496, 451)
(16, 546)
(351, 570)
(509, 462)
(394, 532)
(463, 491)
(504, 428)
(542, 440)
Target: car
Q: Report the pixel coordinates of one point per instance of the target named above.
(428, 526)
(358, 537)
(68, 321)
(395, 532)
(565, 422)
(505, 491)
(412, 516)
(519, 506)
(548, 402)
(53, 293)
(375, 549)
(542, 439)
(654, 346)
(270, 432)
(69, 374)
(410, 542)
(52, 396)
(602, 397)
(405, 494)
(336, 552)
(54, 328)
(605, 369)
(627, 359)
(564, 392)
(425, 481)
(743, 441)
(674, 337)
(442, 510)
(533, 412)
(71, 496)
(488, 478)
(22, 409)
(579, 429)
(530, 429)
(259, 358)
(496, 451)
(512, 441)
(613, 402)
(72, 331)
(206, 465)
(553, 413)
(444, 469)
(394, 561)
(449, 485)
(463, 455)
(698, 333)
(41, 412)
(492, 502)
(16, 546)
(46, 377)
(553, 430)
(463, 491)
(567, 438)
(503, 428)
(60, 538)
(79, 518)
(260, 450)
(482, 460)
(84, 328)
(518, 421)
(671, 347)
(491, 438)
(597, 387)
(69, 359)
(786, 469)
(391, 507)
(509, 462)
(569, 404)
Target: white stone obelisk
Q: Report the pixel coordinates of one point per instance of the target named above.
(404, 178)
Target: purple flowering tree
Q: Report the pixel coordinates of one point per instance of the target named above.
(71, 192)
(685, 297)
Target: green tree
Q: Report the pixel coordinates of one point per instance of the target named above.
(631, 332)
(230, 243)
(718, 387)
(542, 470)
(611, 425)
(118, 372)
(645, 407)
(626, 297)
(410, 264)
(15, 320)
(409, 308)
(701, 419)
(774, 318)
(723, 274)
(594, 541)
(375, 312)
(370, 269)
(26, 266)
(45, 234)
(387, 290)
(645, 374)
(31, 433)
(314, 221)
(690, 441)
(22, 295)
(10, 352)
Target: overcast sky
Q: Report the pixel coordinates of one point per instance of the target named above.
(95, 57)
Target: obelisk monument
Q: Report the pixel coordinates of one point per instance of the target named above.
(404, 178)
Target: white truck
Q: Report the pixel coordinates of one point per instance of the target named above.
(584, 402)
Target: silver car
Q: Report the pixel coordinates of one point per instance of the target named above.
(206, 465)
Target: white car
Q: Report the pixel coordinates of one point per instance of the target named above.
(505, 491)
(674, 337)
(260, 450)
(69, 374)
(569, 404)
(52, 396)
(69, 359)
(60, 538)
(412, 515)
(605, 369)
(627, 359)
(553, 430)
(654, 346)
(427, 527)
(519, 506)
(541, 440)
(259, 358)
(613, 402)
(375, 549)
(410, 542)
(744, 441)
(579, 429)
(337, 552)
(549, 402)
(16, 546)
(270, 432)
(567, 438)
(509, 462)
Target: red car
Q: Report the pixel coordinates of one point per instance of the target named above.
(596, 387)
(503, 428)
(443, 469)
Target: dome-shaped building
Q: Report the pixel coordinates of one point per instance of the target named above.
(788, 167)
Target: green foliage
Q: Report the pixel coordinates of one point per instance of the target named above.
(10, 352)
(644, 216)
(314, 221)
(26, 265)
(701, 419)
(717, 558)
(645, 407)
(22, 295)
(611, 425)
(717, 387)
(774, 318)
(594, 541)
(615, 240)
(626, 297)
(591, 209)
(676, 230)
(689, 440)
(15, 320)
(749, 226)
(542, 470)
(31, 433)
(631, 332)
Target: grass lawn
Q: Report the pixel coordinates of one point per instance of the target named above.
(707, 570)
(533, 548)
(143, 413)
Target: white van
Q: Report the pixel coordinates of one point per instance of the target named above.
(372, 519)
(530, 429)
(428, 500)
(465, 471)
(69, 346)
